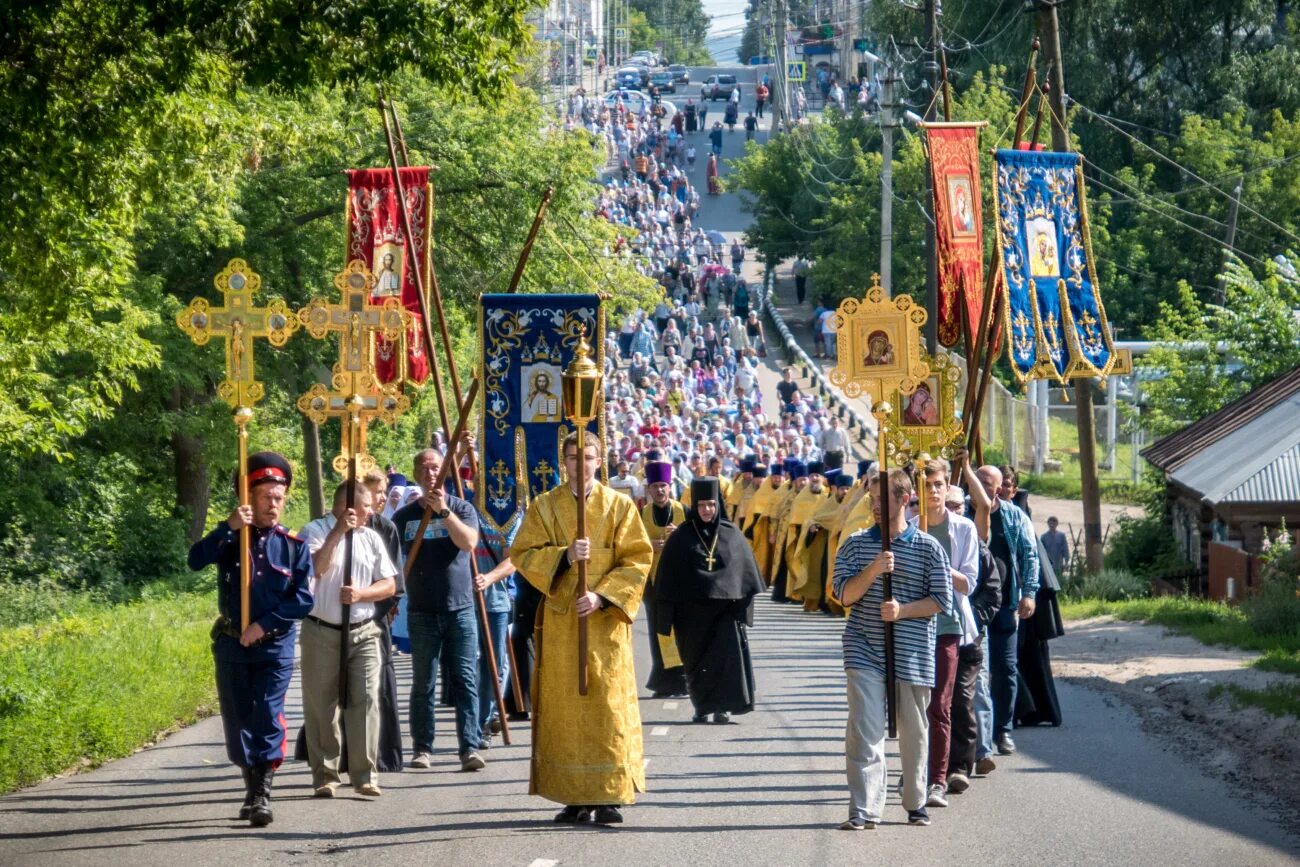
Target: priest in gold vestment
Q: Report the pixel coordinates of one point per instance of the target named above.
(587, 750)
(759, 517)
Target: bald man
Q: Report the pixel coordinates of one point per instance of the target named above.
(1014, 547)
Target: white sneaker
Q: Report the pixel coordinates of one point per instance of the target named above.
(421, 760)
(936, 798)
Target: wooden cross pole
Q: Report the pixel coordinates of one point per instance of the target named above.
(881, 411)
(240, 323)
(357, 395)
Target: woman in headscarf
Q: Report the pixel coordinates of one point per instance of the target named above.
(712, 174)
(705, 592)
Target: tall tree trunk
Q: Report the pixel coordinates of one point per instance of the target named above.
(311, 455)
(190, 470)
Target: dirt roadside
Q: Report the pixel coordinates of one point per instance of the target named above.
(1171, 680)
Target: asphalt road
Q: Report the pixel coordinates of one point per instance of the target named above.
(766, 790)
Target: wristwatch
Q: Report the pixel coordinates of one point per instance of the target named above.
(443, 514)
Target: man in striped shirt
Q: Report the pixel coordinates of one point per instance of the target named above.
(922, 588)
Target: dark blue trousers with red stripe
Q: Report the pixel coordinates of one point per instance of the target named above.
(251, 686)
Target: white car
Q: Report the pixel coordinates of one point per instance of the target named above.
(636, 100)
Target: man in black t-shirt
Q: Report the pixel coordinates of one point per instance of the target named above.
(440, 611)
(788, 390)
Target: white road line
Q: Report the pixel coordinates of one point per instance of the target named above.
(659, 731)
(543, 862)
(670, 705)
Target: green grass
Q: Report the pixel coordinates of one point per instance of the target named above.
(1207, 622)
(1280, 699)
(88, 687)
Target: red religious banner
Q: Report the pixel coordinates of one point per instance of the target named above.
(959, 229)
(375, 236)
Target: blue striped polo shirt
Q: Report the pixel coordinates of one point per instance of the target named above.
(920, 571)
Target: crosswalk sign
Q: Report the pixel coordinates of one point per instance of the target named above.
(591, 52)
(796, 70)
(620, 33)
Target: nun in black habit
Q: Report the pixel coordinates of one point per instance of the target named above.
(1036, 701)
(705, 594)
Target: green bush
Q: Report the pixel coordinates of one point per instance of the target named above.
(96, 685)
(1275, 608)
(1109, 585)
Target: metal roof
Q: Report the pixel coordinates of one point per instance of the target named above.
(1257, 462)
(1173, 451)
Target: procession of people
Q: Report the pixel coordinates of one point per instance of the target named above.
(700, 499)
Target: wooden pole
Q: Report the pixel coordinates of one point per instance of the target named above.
(242, 416)
(427, 331)
(345, 624)
(1022, 112)
(441, 480)
(881, 411)
(581, 478)
(1094, 544)
(528, 244)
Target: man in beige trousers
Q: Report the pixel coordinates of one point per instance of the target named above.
(373, 579)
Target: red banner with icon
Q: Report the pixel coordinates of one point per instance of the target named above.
(959, 228)
(376, 236)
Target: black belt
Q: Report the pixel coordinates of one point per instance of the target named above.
(325, 623)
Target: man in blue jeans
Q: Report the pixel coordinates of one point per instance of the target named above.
(1015, 547)
(495, 580)
(440, 611)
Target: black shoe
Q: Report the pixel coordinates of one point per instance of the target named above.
(517, 717)
(494, 725)
(662, 693)
(608, 816)
(722, 718)
(1006, 746)
(247, 810)
(700, 718)
(918, 817)
(260, 815)
(573, 815)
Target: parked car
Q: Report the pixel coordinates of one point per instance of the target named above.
(640, 65)
(664, 81)
(628, 77)
(717, 87)
(681, 75)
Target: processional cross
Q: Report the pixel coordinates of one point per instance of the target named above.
(357, 395)
(240, 323)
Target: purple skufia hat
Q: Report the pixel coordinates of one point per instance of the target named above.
(658, 471)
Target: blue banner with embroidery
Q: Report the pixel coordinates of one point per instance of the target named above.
(525, 344)
(1055, 323)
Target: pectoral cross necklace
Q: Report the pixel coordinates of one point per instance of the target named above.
(708, 555)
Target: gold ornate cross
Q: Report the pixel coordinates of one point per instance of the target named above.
(355, 395)
(356, 318)
(240, 323)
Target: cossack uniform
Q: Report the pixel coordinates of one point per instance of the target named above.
(252, 681)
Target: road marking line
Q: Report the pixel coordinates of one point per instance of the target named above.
(543, 862)
(659, 731)
(670, 705)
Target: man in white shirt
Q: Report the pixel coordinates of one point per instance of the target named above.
(626, 483)
(373, 579)
(835, 444)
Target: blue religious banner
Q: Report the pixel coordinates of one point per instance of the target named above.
(1055, 323)
(525, 343)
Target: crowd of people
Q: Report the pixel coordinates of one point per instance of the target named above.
(709, 499)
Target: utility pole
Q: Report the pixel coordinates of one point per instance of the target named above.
(780, 81)
(1050, 34)
(887, 107)
(933, 9)
(1233, 208)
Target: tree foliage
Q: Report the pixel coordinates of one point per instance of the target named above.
(681, 26)
(109, 107)
(107, 407)
(1216, 353)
